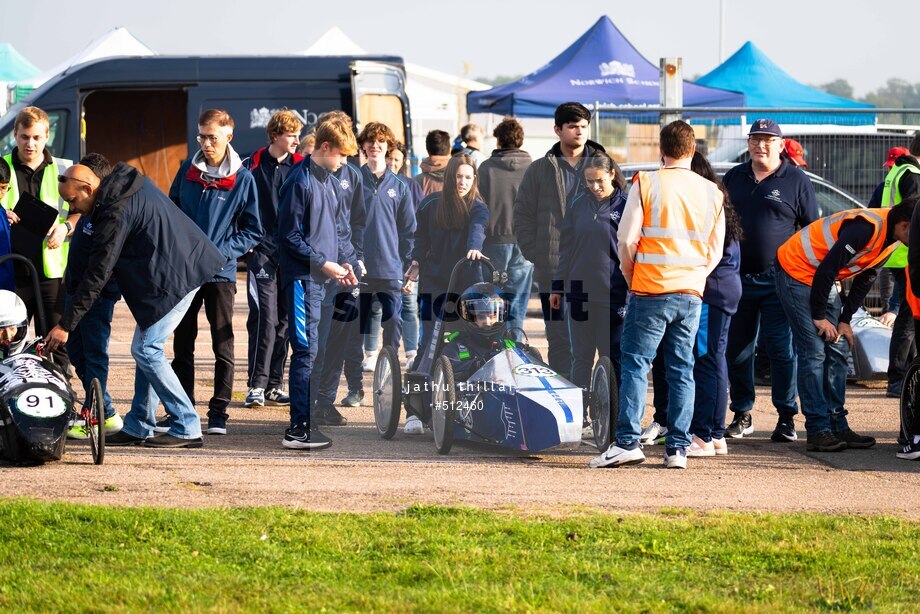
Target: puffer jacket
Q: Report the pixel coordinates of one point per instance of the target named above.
(539, 209)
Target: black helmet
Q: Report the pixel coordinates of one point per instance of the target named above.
(483, 309)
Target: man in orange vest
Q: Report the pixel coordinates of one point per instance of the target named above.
(852, 243)
(670, 239)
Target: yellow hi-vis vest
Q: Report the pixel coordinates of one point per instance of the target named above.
(54, 261)
(680, 212)
(891, 196)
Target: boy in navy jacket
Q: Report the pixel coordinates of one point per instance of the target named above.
(219, 195)
(267, 323)
(314, 249)
(387, 245)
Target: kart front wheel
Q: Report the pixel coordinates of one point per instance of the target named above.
(443, 405)
(910, 402)
(387, 393)
(94, 416)
(604, 402)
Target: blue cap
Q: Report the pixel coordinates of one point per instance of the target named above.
(766, 126)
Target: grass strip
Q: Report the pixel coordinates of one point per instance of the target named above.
(65, 557)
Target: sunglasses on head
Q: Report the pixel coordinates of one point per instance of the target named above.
(65, 179)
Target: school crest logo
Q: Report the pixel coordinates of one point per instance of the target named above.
(344, 183)
(615, 216)
(391, 193)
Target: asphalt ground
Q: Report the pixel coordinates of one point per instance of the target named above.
(361, 472)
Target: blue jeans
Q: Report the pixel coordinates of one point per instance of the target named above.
(155, 381)
(761, 305)
(410, 323)
(822, 365)
(710, 374)
(672, 321)
(88, 347)
(508, 257)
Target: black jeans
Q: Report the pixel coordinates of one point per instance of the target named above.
(901, 351)
(559, 354)
(217, 298)
(52, 301)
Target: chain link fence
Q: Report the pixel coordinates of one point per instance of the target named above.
(846, 148)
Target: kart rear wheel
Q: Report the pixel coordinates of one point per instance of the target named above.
(910, 402)
(95, 421)
(443, 405)
(387, 393)
(604, 402)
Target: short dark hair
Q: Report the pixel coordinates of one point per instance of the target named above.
(569, 112)
(510, 134)
(903, 211)
(216, 116)
(437, 143)
(6, 172)
(97, 163)
(677, 140)
(915, 144)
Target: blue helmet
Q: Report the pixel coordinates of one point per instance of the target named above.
(483, 309)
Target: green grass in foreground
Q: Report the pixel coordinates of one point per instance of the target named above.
(61, 557)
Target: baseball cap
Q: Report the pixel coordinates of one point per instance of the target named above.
(766, 126)
(793, 150)
(893, 154)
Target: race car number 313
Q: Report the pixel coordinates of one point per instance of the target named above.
(534, 371)
(40, 403)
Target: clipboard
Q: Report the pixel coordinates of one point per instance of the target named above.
(34, 215)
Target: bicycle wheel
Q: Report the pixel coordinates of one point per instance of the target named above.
(443, 405)
(387, 393)
(95, 421)
(910, 401)
(604, 403)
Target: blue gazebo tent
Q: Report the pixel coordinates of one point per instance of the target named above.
(767, 85)
(601, 66)
(14, 67)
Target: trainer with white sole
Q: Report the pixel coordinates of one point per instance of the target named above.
(670, 239)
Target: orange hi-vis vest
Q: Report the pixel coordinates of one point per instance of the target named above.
(912, 299)
(801, 255)
(681, 210)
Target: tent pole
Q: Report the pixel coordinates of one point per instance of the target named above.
(597, 121)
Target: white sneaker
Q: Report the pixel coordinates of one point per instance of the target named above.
(721, 446)
(410, 358)
(699, 448)
(615, 456)
(587, 432)
(370, 362)
(653, 433)
(676, 460)
(413, 426)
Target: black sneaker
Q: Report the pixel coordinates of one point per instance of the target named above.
(824, 442)
(909, 451)
(328, 415)
(784, 431)
(854, 440)
(217, 425)
(354, 398)
(301, 438)
(162, 425)
(741, 426)
(170, 441)
(121, 438)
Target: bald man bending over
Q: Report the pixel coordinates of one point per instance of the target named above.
(88, 343)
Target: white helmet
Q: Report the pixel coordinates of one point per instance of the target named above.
(12, 314)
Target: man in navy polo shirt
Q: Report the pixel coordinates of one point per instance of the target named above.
(774, 199)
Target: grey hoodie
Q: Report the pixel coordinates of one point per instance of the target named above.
(499, 179)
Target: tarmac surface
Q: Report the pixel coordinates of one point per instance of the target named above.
(362, 473)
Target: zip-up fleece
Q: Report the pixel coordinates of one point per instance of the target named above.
(388, 236)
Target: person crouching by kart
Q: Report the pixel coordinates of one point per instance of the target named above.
(450, 225)
(14, 324)
(484, 313)
(589, 267)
